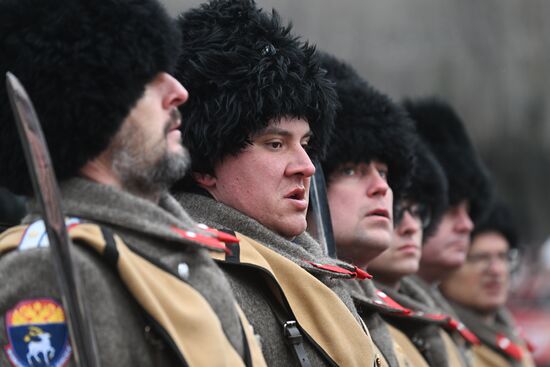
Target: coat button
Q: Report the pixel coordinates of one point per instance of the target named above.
(183, 271)
(378, 361)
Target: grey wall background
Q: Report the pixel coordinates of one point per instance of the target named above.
(490, 59)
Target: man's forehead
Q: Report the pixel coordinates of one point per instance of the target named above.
(285, 127)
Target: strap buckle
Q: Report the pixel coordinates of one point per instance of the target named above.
(291, 332)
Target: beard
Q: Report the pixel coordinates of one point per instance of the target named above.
(147, 172)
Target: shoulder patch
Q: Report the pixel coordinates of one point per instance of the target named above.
(35, 235)
(37, 334)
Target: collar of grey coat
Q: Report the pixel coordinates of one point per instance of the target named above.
(440, 303)
(412, 296)
(302, 250)
(116, 208)
(487, 333)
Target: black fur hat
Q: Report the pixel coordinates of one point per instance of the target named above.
(85, 64)
(443, 131)
(428, 186)
(368, 126)
(499, 219)
(242, 68)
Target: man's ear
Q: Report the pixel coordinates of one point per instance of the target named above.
(205, 180)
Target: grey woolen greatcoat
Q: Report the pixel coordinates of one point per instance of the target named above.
(425, 335)
(437, 302)
(117, 320)
(248, 292)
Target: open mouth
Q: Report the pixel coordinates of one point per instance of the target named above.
(296, 194)
(379, 213)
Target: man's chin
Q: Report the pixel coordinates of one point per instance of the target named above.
(290, 230)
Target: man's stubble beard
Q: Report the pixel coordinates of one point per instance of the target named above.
(147, 173)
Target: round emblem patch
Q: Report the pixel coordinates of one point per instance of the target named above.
(37, 334)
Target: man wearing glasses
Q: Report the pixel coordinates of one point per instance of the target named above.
(478, 292)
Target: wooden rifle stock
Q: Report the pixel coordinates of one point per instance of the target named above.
(47, 194)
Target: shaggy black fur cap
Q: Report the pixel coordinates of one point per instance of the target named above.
(368, 126)
(499, 219)
(85, 64)
(428, 186)
(445, 134)
(242, 68)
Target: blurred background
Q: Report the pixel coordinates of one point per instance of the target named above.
(491, 60)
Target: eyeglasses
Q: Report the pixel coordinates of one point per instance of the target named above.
(483, 261)
(418, 211)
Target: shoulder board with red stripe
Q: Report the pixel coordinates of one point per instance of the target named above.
(356, 273)
(220, 235)
(509, 347)
(208, 241)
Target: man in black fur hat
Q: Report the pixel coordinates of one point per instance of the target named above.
(97, 73)
(478, 292)
(469, 196)
(469, 187)
(260, 108)
(369, 162)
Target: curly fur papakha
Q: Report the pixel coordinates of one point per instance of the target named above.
(242, 69)
(84, 64)
(368, 126)
(445, 134)
(499, 219)
(428, 186)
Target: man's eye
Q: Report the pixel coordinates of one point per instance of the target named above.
(383, 173)
(348, 171)
(275, 144)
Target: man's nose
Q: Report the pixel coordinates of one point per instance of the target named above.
(175, 94)
(463, 220)
(409, 224)
(377, 185)
(301, 164)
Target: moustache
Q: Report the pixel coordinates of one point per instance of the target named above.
(173, 121)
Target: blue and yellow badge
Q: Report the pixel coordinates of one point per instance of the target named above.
(37, 334)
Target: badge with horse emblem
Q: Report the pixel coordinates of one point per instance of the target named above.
(37, 334)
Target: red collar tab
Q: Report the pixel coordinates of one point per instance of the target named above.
(220, 235)
(207, 241)
(362, 274)
(388, 301)
(464, 331)
(356, 274)
(435, 316)
(456, 326)
(509, 347)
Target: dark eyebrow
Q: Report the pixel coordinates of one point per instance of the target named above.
(274, 130)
